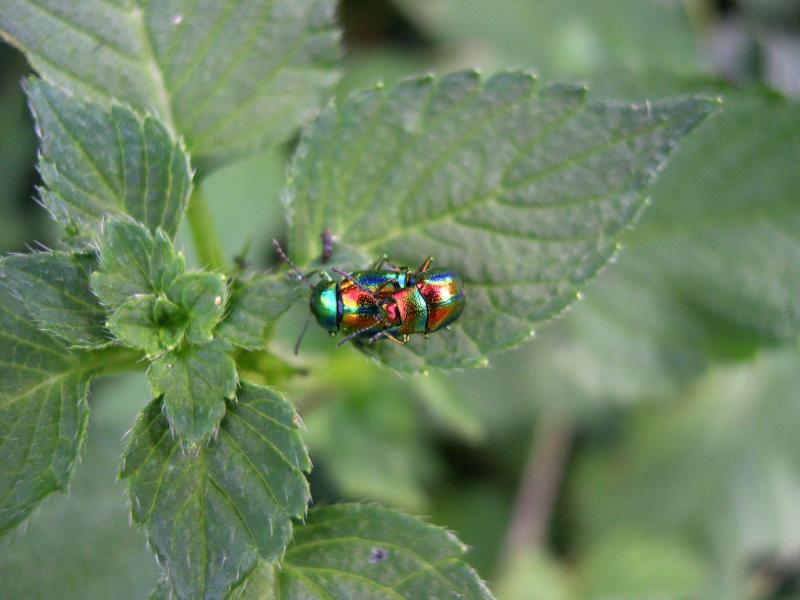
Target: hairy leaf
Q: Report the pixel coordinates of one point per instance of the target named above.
(43, 413)
(522, 189)
(133, 261)
(91, 551)
(150, 323)
(95, 162)
(211, 513)
(366, 551)
(203, 297)
(726, 235)
(229, 76)
(256, 302)
(54, 288)
(194, 382)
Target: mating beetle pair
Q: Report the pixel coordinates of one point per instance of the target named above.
(385, 301)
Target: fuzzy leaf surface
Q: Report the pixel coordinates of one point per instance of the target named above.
(97, 161)
(229, 76)
(255, 302)
(211, 513)
(202, 296)
(149, 323)
(134, 261)
(366, 551)
(521, 188)
(43, 412)
(194, 382)
(55, 289)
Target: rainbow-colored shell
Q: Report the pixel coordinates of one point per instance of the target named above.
(407, 303)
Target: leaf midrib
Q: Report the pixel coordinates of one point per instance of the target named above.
(163, 96)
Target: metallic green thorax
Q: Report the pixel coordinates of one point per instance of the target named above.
(324, 305)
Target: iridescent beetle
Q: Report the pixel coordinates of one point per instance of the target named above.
(384, 301)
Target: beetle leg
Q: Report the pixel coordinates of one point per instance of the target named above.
(385, 334)
(424, 266)
(383, 262)
(355, 334)
(379, 263)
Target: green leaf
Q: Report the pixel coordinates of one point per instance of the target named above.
(194, 382)
(43, 413)
(54, 288)
(133, 261)
(531, 574)
(721, 466)
(630, 339)
(91, 551)
(565, 36)
(211, 513)
(634, 566)
(523, 190)
(366, 551)
(725, 235)
(150, 323)
(203, 297)
(255, 302)
(96, 162)
(372, 446)
(229, 76)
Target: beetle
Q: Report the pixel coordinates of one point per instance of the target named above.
(385, 301)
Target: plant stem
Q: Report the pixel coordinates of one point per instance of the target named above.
(541, 481)
(204, 234)
(111, 361)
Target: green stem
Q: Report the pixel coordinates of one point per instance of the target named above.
(204, 234)
(111, 361)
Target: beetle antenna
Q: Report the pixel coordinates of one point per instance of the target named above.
(288, 261)
(355, 283)
(300, 337)
(378, 336)
(355, 334)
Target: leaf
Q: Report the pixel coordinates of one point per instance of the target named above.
(95, 162)
(630, 339)
(149, 323)
(133, 261)
(634, 566)
(203, 297)
(366, 551)
(372, 445)
(210, 514)
(194, 382)
(720, 466)
(255, 302)
(565, 36)
(725, 236)
(229, 76)
(520, 188)
(43, 413)
(54, 288)
(531, 574)
(85, 538)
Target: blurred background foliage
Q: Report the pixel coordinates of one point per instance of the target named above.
(644, 445)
